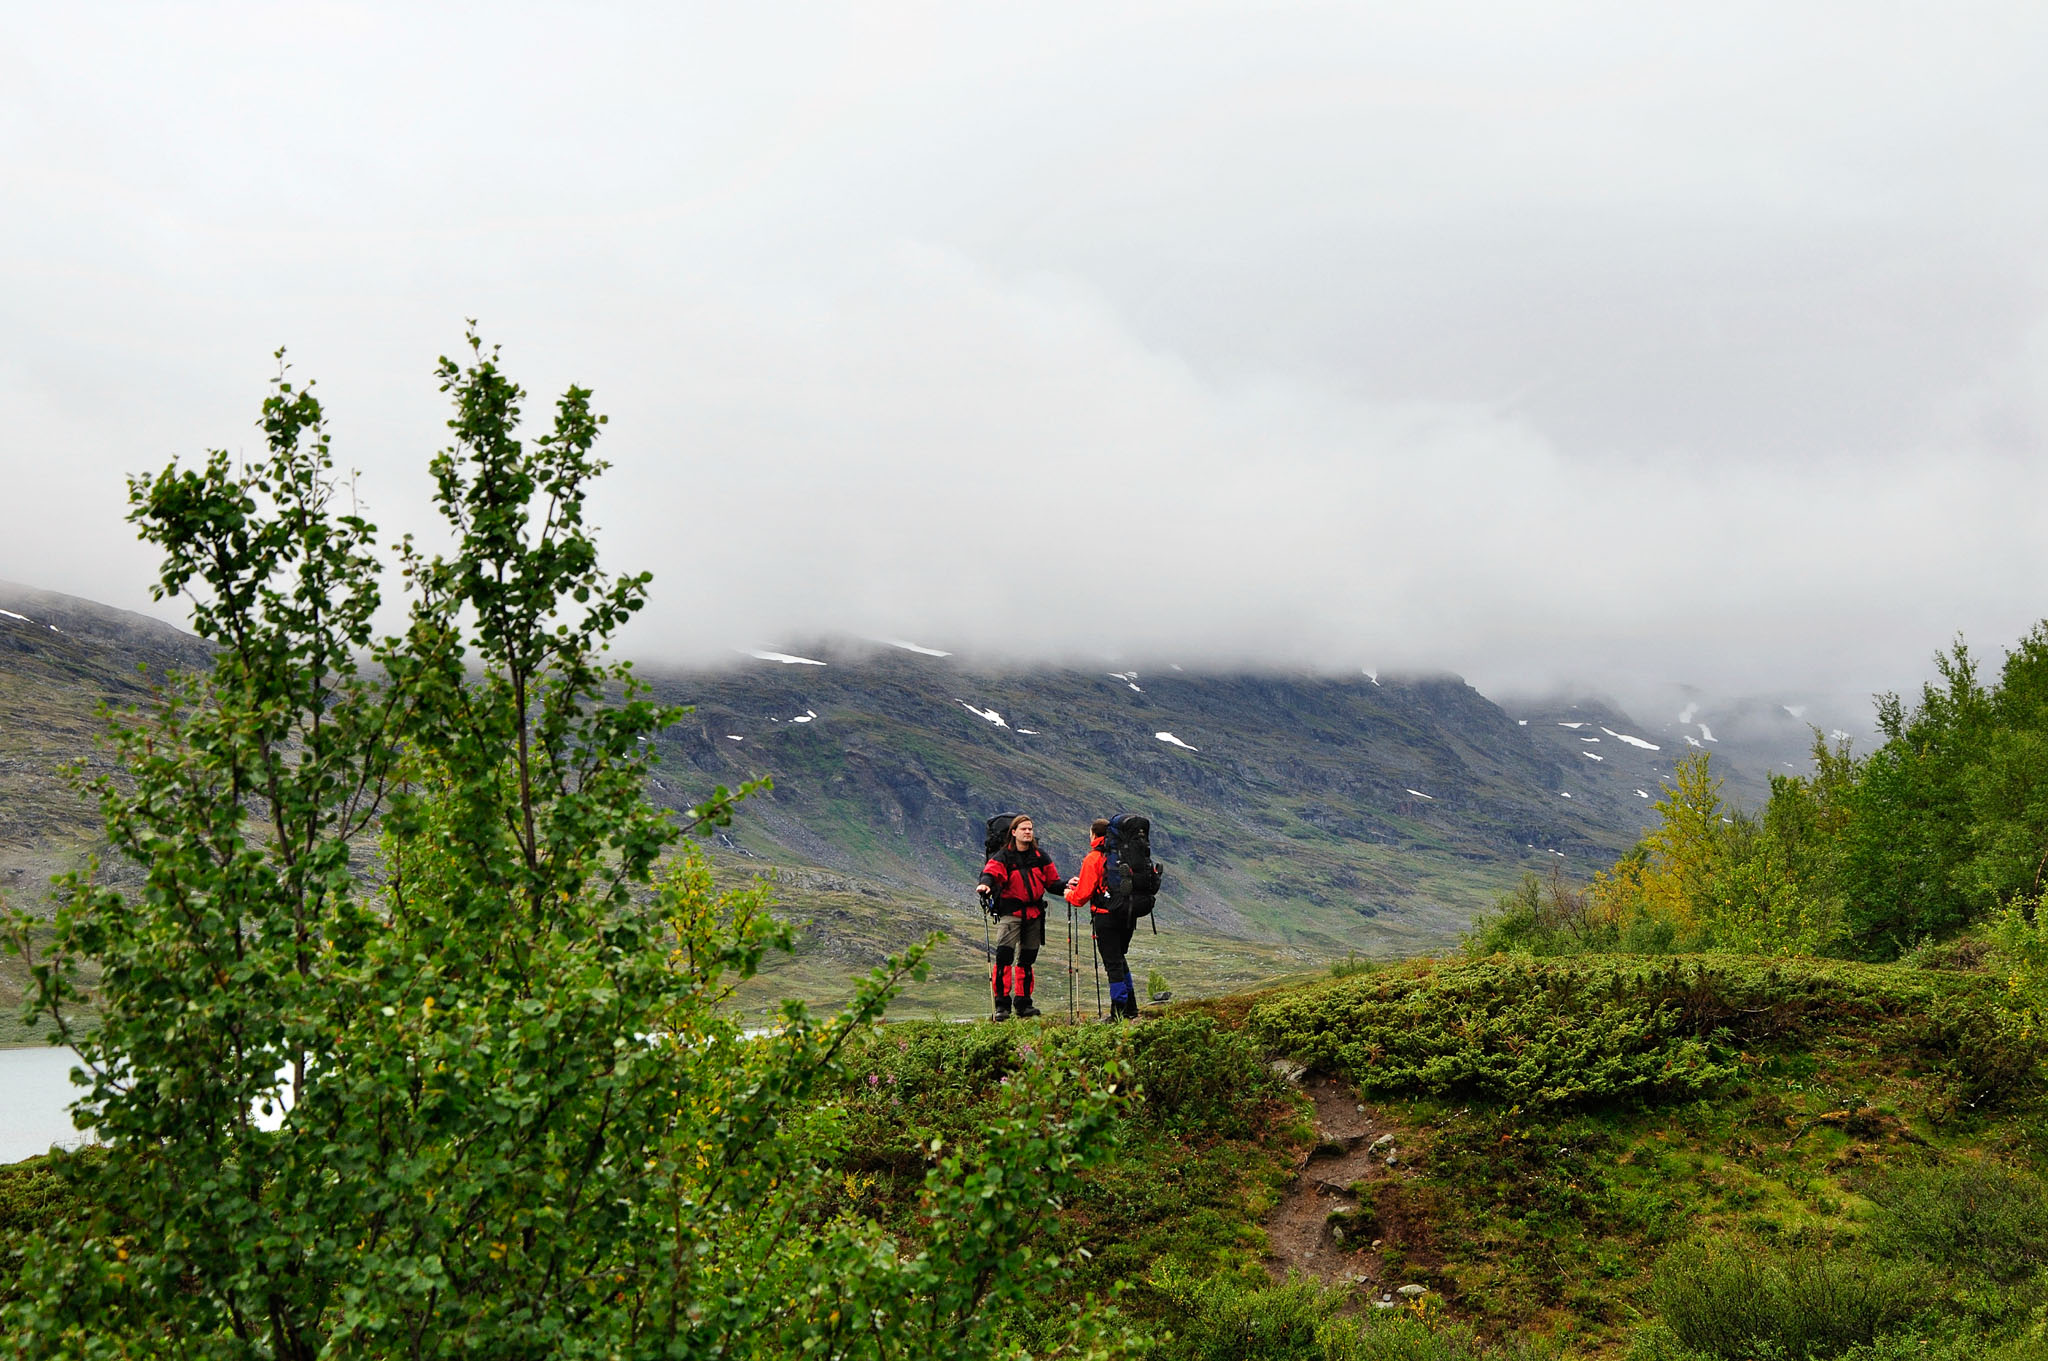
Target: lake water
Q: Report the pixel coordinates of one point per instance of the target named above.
(35, 1088)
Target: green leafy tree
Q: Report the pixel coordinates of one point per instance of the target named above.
(2009, 787)
(1906, 844)
(1713, 877)
(1661, 893)
(407, 1045)
(1543, 916)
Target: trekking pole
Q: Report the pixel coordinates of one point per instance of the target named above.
(988, 939)
(1072, 1014)
(1096, 951)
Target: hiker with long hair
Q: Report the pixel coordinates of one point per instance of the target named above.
(1013, 886)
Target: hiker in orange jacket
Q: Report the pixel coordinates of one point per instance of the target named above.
(1112, 925)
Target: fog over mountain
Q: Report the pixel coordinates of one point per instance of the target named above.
(1589, 345)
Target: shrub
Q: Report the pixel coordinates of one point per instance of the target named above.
(1983, 1055)
(1195, 1075)
(1540, 917)
(1227, 1317)
(1536, 1034)
(1731, 1301)
(1976, 1216)
(1190, 1073)
(1964, 954)
(36, 1196)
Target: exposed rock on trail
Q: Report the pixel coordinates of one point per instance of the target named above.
(1349, 1219)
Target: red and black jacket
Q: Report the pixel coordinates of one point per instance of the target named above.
(1019, 880)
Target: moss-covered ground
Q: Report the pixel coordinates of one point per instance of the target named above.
(1585, 1145)
(1669, 1160)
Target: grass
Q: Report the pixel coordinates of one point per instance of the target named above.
(1830, 1177)
(1813, 1189)
(1830, 1123)
(1726, 1300)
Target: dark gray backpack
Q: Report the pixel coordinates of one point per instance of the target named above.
(1129, 876)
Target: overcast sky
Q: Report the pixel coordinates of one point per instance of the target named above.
(1535, 342)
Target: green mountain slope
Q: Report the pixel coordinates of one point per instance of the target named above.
(1301, 817)
(1340, 812)
(60, 659)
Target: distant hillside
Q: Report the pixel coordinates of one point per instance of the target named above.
(1301, 816)
(60, 659)
(1338, 812)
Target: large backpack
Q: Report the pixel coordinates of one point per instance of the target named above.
(1129, 878)
(998, 832)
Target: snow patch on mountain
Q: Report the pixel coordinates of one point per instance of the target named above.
(1169, 737)
(913, 647)
(784, 658)
(990, 714)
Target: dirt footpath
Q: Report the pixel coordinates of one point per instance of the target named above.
(1350, 1218)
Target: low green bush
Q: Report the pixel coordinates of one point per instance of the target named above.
(1548, 1034)
(1977, 1217)
(35, 1195)
(1963, 1347)
(1541, 918)
(1245, 1317)
(1195, 1075)
(1732, 1302)
(1984, 1056)
(1582, 1030)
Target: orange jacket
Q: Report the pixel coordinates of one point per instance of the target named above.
(1089, 881)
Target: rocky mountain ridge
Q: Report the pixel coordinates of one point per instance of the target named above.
(1318, 812)
(1349, 811)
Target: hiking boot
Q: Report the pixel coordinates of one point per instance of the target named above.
(1025, 1011)
(1002, 1009)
